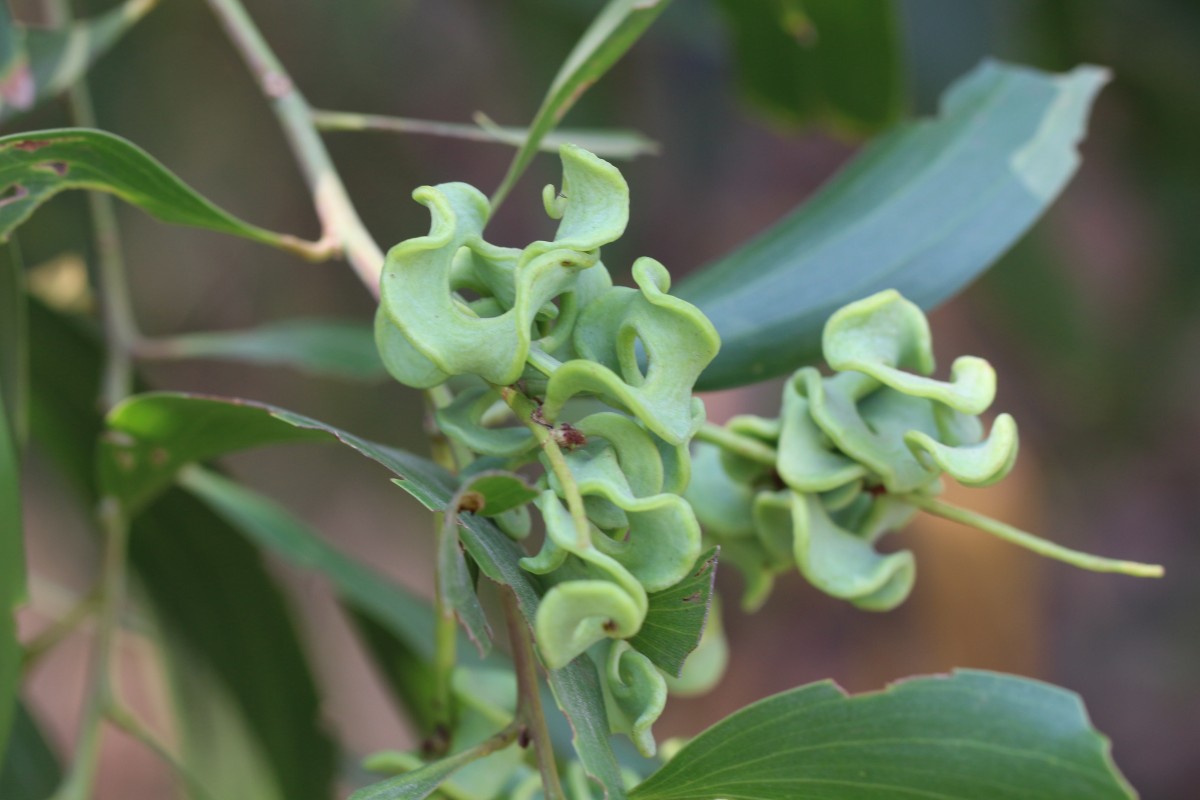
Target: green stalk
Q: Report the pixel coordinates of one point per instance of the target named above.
(527, 411)
(1030, 542)
(744, 446)
(341, 226)
(529, 702)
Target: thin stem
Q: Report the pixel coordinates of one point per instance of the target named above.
(341, 225)
(528, 412)
(347, 121)
(743, 446)
(445, 645)
(529, 698)
(78, 783)
(120, 325)
(59, 630)
(1031, 542)
(125, 720)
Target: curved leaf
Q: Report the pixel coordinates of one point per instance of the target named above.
(924, 210)
(971, 734)
(37, 165)
(29, 768)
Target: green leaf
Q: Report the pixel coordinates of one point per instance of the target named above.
(229, 627)
(163, 416)
(923, 210)
(967, 735)
(37, 165)
(60, 57)
(14, 348)
(12, 573)
(16, 82)
(415, 785)
(614, 30)
(676, 617)
(340, 349)
(30, 768)
(832, 62)
(227, 621)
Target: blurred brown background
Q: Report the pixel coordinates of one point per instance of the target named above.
(1093, 323)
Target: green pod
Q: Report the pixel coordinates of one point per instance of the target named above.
(635, 694)
(751, 426)
(723, 505)
(846, 565)
(886, 336)
(980, 464)
(808, 461)
(679, 343)
(461, 420)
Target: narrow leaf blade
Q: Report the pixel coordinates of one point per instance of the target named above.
(969, 734)
(924, 211)
(37, 165)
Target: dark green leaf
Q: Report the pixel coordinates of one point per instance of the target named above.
(835, 62)
(229, 627)
(319, 347)
(614, 30)
(12, 574)
(967, 735)
(231, 638)
(14, 337)
(272, 528)
(676, 617)
(455, 586)
(575, 687)
(59, 57)
(30, 769)
(496, 492)
(924, 210)
(36, 166)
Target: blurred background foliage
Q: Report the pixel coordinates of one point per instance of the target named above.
(1093, 321)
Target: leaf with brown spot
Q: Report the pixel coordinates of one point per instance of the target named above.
(677, 616)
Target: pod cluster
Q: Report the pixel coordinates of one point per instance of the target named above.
(608, 371)
(850, 452)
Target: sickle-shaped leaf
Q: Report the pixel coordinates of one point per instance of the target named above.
(59, 57)
(37, 165)
(924, 210)
(970, 734)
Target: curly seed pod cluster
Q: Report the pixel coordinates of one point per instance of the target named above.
(847, 457)
(545, 329)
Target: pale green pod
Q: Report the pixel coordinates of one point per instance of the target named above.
(807, 460)
(590, 285)
(751, 426)
(885, 335)
(773, 526)
(576, 614)
(634, 447)
(461, 421)
(662, 541)
(723, 505)
(878, 442)
(401, 360)
(972, 465)
(883, 514)
(748, 556)
(841, 497)
(956, 428)
(679, 343)
(845, 565)
(635, 694)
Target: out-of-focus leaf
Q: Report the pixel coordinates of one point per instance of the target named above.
(159, 415)
(273, 529)
(415, 785)
(37, 165)
(614, 30)
(30, 768)
(59, 57)
(676, 617)
(12, 574)
(340, 349)
(969, 734)
(225, 617)
(834, 62)
(14, 335)
(16, 81)
(923, 211)
(227, 622)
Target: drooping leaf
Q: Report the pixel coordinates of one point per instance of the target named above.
(37, 165)
(228, 623)
(575, 687)
(12, 573)
(676, 618)
(924, 210)
(614, 30)
(966, 735)
(201, 576)
(59, 57)
(29, 769)
(831, 62)
(339, 349)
